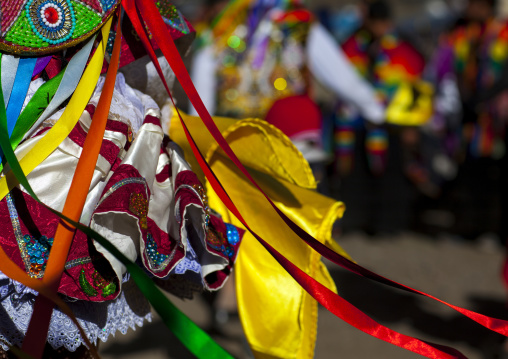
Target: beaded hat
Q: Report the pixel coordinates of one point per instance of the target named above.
(36, 27)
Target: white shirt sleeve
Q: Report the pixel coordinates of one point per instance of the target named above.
(203, 75)
(330, 66)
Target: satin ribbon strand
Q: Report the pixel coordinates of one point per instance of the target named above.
(41, 64)
(73, 207)
(8, 73)
(325, 297)
(19, 90)
(168, 49)
(8, 267)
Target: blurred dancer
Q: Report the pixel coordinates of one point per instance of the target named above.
(474, 55)
(394, 68)
(257, 52)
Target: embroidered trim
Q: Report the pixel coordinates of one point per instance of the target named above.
(106, 288)
(119, 184)
(77, 262)
(201, 194)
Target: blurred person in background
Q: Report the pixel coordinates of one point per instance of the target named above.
(473, 54)
(257, 52)
(394, 68)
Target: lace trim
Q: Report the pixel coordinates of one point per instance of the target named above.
(99, 320)
(188, 263)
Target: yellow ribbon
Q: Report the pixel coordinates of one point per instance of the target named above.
(54, 137)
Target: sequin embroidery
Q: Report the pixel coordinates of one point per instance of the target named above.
(217, 241)
(106, 288)
(155, 258)
(172, 16)
(34, 251)
(232, 234)
(139, 206)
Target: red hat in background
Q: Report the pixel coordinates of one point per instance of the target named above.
(299, 118)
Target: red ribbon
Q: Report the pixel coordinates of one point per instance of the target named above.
(330, 300)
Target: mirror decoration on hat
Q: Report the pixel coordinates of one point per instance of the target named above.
(32, 27)
(172, 17)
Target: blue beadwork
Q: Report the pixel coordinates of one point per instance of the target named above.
(233, 235)
(37, 249)
(107, 4)
(229, 252)
(152, 252)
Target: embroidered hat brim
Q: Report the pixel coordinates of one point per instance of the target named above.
(38, 27)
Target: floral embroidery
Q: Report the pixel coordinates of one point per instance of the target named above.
(36, 254)
(86, 287)
(106, 288)
(34, 251)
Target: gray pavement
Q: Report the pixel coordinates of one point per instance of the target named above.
(460, 272)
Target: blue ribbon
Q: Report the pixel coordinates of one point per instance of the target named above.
(19, 90)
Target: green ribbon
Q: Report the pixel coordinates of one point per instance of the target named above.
(194, 338)
(38, 103)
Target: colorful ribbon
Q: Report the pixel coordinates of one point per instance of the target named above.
(71, 76)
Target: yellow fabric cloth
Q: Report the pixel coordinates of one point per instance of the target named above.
(411, 105)
(278, 316)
